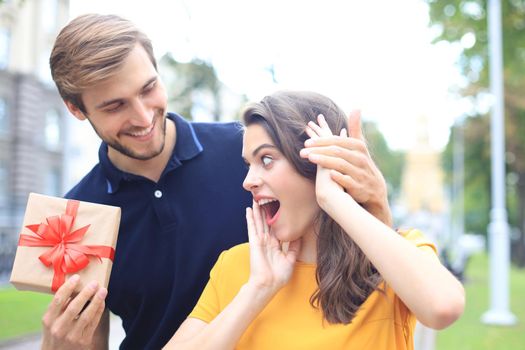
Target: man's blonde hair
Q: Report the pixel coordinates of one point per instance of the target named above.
(91, 49)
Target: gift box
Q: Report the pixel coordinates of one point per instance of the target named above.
(61, 237)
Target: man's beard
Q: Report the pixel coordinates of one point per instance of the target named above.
(117, 146)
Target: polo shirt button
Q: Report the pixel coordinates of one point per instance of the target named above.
(158, 194)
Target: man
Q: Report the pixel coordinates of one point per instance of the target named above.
(178, 185)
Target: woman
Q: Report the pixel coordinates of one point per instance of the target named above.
(319, 270)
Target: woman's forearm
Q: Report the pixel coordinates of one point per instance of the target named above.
(227, 328)
(433, 294)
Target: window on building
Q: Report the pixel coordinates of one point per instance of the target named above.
(4, 47)
(4, 123)
(53, 182)
(43, 71)
(49, 15)
(4, 181)
(52, 131)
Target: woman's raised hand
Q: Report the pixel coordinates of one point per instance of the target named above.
(354, 168)
(271, 264)
(325, 185)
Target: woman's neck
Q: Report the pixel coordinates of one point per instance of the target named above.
(308, 253)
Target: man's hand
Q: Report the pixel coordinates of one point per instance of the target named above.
(354, 169)
(68, 323)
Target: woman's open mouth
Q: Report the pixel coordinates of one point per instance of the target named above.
(270, 208)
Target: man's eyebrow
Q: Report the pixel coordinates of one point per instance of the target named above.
(109, 102)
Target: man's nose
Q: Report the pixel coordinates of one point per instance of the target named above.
(142, 114)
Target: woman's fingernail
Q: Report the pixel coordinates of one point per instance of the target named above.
(304, 152)
(308, 142)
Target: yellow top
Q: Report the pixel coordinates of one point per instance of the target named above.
(290, 322)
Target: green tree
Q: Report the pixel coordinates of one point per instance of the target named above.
(189, 84)
(476, 164)
(465, 22)
(18, 3)
(390, 162)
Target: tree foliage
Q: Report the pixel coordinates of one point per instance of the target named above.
(390, 162)
(476, 157)
(190, 84)
(465, 22)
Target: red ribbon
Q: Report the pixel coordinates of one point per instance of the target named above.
(67, 255)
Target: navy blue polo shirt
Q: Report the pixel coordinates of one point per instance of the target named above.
(172, 231)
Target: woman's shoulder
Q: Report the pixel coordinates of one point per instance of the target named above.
(238, 252)
(231, 271)
(236, 258)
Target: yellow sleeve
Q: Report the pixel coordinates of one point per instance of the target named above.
(417, 238)
(230, 272)
(208, 306)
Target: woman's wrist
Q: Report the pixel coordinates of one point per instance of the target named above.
(259, 293)
(335, 201)
(381, 210)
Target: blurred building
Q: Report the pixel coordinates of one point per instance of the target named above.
(32, 135)
(422, 182)
(422, 188)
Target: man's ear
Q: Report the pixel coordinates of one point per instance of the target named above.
(75, 110)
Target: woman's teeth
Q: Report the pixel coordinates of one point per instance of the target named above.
(266, 201)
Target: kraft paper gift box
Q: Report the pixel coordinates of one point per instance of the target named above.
(61, 237)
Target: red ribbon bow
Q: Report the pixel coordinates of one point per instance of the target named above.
(67, 255)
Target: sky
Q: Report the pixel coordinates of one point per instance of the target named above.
(373, 55)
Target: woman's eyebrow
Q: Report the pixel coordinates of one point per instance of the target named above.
(264, 145)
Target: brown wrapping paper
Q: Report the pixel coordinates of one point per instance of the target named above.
(29, 273)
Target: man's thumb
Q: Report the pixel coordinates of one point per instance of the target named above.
(354, 124)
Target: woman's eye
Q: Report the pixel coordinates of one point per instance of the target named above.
(267, 160)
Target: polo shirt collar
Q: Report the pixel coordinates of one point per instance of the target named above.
(187, 147)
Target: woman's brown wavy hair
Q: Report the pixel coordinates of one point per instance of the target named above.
(345, 276)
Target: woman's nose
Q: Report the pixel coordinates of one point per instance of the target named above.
(251, 181)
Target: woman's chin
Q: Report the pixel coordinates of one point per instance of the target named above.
(285, 236)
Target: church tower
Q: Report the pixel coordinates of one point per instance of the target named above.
(422, 181)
